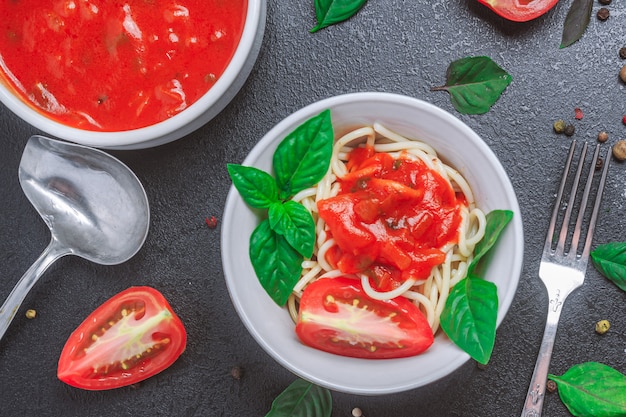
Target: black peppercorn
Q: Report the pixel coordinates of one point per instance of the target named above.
(604, 2)
(551, 386)
(603, 13)
(599, 163)
(622, 52)
(569, 130)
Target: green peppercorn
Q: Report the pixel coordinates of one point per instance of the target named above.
(603, 13)
(619, 150)
(603, 136)
(31, 314)
(569, 130)
(559, 126)
(602, 326)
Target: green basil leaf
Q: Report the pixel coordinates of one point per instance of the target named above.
(469, 317)
(277, 265)
(257, 188)
(496, 222)
(474, 84)
(610, 261)
(592, 389)
(303, 157)
(302, 399)
(576, 21)
(330, 12)
(293, 221)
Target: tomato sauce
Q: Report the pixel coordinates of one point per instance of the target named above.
(391, 218)
(114, 65)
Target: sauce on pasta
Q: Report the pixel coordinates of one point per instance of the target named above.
(108, 66)
(391, 219)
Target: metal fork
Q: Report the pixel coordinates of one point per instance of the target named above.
(563, 267)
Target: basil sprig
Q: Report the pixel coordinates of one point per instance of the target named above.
(330, 12)
(592, 389)
(280, 243)
(302, 399)
(610, 260)
(471, 310)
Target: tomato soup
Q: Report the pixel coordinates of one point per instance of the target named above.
(115, 65)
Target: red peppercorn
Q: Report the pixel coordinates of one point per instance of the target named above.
(624, 120)
(211, 222)
(578, 113)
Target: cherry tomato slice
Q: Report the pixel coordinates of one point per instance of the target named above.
(132, 336)
(520, 10)
(337, 316)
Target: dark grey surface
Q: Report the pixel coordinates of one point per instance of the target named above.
(399, 46)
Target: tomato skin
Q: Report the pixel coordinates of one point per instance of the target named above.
(520, 10)
(130, 337)
(338, 317)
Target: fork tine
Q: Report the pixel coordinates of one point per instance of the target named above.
(596, 205)
(555, 211)
(560, 247)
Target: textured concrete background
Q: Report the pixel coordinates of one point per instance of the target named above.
(401, 46)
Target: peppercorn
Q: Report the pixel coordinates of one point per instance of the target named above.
(356, 412)
(31, 314)
(603, 136)
(551, 386)
(622, 74)
(599, 163)
(602, 326)
(603, 13)
(622, 52)
(619, 150)
(569, 130)
(559, 126)
(604, 2)
(236, 372)
(211, 222)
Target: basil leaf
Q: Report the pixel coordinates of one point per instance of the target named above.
(330, 12)
(469, 317)
(293, 221)
(474, 84)
(576, 21)
(303, 157)
(302, 399)
(592, 389)
(277, 265)
(257, 188)
(610, 261)
(496, 222)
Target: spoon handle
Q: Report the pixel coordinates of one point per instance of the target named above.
(23, 286)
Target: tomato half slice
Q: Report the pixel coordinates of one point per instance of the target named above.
(520, 10)
(130, 337)
(337, 316)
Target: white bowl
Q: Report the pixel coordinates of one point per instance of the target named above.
(183, 123)
(271, 325)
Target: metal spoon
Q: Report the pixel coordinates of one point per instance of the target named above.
(94, 205)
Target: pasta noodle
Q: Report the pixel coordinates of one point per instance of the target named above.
(428, 294)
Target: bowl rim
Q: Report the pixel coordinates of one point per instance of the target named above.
(253, 25)
(288, 124)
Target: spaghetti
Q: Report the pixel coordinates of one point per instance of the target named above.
(427, 290)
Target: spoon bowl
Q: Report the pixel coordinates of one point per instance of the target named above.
(93, 204)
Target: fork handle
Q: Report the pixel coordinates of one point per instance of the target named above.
(537, 388)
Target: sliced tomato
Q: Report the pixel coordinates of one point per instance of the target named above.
(132, 336)
(337, 316)
(520, 10)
